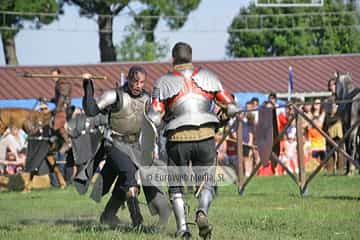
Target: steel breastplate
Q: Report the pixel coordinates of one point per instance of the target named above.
(128, 120)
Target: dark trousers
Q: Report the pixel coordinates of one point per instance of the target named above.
(200, 153)
(120, 165)
(124, 168)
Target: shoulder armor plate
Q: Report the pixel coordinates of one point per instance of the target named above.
(208, 81)
(109, 97)
(168, 86)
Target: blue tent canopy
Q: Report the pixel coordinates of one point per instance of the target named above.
(241, 97)
(31, 103)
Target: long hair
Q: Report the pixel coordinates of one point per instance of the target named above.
(330, 81)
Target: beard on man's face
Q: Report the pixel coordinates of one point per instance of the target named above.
(135, 90)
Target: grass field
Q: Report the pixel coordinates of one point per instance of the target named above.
(270, 209)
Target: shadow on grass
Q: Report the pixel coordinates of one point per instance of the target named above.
(92, 225)
(254, 194)
(347, 198)
(9, 228)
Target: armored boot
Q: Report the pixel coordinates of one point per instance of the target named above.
(108, 216)
(178, 204)
(202, 222)
(205, 198)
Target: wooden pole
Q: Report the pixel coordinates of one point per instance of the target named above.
(300, 150)
(240, 154)
(247, 180)
(287, 170)
(44, 75)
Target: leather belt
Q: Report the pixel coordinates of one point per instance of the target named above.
(125, 138)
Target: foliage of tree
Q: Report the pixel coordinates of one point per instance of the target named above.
(257, 31)
(134, 47)
(11, 24)
(178, 9)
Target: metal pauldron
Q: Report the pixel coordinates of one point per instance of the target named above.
(109, 97)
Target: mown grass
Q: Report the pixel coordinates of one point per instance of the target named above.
(271, 208)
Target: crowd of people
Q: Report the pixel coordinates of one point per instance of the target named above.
(322, 112)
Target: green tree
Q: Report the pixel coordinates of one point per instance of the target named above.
(331, 29)
(134, 47)
(105, 10)
(12, 23)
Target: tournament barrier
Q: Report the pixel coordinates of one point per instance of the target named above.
(301, 179)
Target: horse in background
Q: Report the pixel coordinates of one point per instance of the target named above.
(22, 118)
(35, 124)
(349, 112)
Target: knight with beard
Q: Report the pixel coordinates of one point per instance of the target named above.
(125, 107)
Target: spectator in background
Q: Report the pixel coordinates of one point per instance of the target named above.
(221, 151)
(318, 142)
(307, 109)
(231, 157)
(255, 105)
(333, 127)
(62, 100)
(332, 86)
(289, 153)
(253, 116)
(42, 107)
(283, 119)
(248, 140)
(13, 150)
(318, 110)
(273, 99)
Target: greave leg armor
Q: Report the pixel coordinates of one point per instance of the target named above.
(205, 198)
(178, 204)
